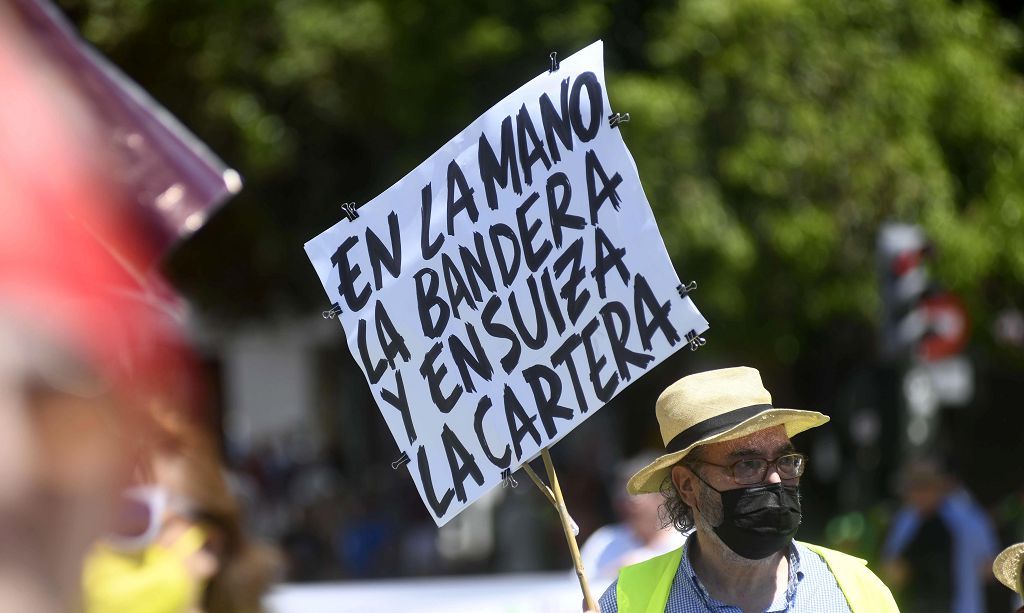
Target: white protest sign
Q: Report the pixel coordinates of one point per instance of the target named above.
(508, 287)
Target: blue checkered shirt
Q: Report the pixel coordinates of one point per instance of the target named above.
(811, 589)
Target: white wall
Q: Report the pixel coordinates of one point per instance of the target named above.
(269, 379)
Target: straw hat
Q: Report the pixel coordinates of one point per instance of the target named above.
(710, 407)
(1007, 567)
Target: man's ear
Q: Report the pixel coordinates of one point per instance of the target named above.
(685, 483)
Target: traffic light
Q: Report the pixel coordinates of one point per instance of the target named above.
(903, 254)
(920, 320)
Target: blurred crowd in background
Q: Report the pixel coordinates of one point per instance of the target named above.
(845, 181)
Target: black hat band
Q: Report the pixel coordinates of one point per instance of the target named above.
(714, 426)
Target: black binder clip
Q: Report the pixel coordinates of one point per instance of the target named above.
(617, 118)
(554, 61)
(507, 480)
(401, 461)
(349, 209)
(684, 290)
(333, 312)
(695, 340)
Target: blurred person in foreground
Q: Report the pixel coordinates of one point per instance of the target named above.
(941, 543)
(731, 473)
(1008, 568)
(91, 376)
(179, 545)
(67, 430)
(639, 535)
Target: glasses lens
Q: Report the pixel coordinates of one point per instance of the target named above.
(749, 471)
(790, 466)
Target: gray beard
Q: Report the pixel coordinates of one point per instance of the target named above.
(709, 508)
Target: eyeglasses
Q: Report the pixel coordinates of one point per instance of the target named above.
(751, 471)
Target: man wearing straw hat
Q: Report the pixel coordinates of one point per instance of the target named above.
(1008, 567)
(731, 474)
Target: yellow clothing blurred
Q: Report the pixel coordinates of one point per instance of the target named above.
(154, 580)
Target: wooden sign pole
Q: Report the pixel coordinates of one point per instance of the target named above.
(554, 496)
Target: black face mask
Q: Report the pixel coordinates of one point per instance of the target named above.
(759, 520)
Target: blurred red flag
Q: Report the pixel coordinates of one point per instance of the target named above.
(161, 168)
(75, 265)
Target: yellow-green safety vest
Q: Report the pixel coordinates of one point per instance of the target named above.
(644, 587)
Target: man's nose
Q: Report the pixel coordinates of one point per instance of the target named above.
(773, 475)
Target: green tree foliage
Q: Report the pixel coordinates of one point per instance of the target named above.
(318, 102)
(772, 136)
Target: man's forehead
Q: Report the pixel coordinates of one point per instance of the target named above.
(763, 443)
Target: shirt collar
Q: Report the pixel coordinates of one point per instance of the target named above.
(795, 577)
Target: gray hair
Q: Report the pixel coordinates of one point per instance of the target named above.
(674, 511)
